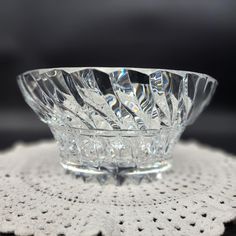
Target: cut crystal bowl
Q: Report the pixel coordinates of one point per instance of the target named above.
(114, 123)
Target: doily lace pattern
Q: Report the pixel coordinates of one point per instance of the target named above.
(38, 198)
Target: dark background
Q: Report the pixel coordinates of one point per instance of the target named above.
(190, 35)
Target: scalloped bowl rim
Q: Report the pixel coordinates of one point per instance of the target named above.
(109, 70)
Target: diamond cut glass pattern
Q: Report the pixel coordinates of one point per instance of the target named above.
(116, 122)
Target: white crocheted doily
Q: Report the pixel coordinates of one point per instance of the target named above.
(38, 198)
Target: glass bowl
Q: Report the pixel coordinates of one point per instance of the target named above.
(116, 123)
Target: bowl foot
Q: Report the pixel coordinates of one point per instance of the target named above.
(118, 175)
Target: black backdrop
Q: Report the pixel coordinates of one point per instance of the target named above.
(190, 35)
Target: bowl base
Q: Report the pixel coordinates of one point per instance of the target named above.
(118, 175)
